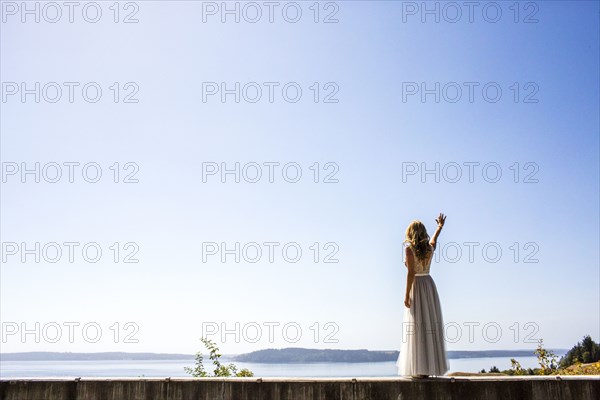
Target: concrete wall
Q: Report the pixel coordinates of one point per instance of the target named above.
(459, 388)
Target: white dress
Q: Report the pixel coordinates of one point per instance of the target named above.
(423, 350)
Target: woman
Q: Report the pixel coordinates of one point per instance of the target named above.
(423, 351)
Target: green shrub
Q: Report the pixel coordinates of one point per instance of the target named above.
(220, 370)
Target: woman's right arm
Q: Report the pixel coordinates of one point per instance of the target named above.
(440, 223)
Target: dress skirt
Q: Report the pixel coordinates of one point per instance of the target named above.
(423, 350)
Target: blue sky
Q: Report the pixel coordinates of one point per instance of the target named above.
(370, 134)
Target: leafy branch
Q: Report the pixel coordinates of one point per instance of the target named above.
(198, 371)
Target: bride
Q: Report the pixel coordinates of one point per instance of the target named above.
(423, 350)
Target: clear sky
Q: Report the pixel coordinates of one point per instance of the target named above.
(373, 130)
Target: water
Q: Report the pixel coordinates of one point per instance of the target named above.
(174, 368)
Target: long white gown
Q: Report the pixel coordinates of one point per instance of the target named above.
(423, 350)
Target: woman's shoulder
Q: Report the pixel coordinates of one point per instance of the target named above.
(410, 252)
(410, 246)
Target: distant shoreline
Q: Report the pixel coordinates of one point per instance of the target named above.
(267, 356)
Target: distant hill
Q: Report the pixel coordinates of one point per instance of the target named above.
(283, 356)
(54, 356)
(302, 355)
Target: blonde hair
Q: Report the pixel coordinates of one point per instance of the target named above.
(418, 239)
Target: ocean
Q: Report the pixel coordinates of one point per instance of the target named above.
(174, 368)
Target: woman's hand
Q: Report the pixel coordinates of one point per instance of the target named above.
(407, 302)
(441, 220)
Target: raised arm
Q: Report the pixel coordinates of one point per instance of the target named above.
(440, 224)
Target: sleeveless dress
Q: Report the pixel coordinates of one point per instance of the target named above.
(423, 350)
